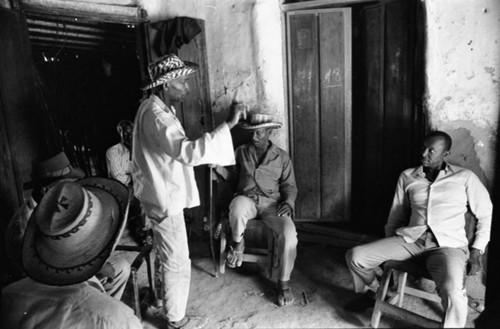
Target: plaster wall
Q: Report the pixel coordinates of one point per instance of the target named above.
(244, 51)
(463, 90)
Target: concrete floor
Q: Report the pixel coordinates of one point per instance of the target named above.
(244, 298)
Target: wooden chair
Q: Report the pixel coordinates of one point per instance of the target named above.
(394, 305)
(399, 270)
(259, 234)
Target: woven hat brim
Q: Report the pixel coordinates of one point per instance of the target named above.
(188, 69)
(273, 125)
(42, 272)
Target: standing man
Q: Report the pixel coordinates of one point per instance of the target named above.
(162, 169)
(118, 156)
(427, 220)
(266, 190)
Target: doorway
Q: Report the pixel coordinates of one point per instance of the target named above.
(349, 143)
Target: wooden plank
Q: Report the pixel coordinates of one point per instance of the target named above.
(398, 100)
(303, 54)
(332, 103)
(370, 111)
(318, 4)
(89, 11)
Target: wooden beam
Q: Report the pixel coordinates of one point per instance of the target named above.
(130, 3)
(88, 11)
(318, 4)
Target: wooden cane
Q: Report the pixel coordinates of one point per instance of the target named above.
(211, 220)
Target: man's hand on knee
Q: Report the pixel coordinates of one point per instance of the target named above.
(284, 209)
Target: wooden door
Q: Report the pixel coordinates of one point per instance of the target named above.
(319, 73)
(22, 135)
(387, 120)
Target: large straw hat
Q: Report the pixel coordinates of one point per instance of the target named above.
(51, 169)
(259, 120)
(74, 229)
(167, 68)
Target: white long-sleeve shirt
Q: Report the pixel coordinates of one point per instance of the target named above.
(163, 159)
(30, 304)
(119, 163)
(441, 206)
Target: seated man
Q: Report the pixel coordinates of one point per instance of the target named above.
(266, 190)
(45, 174)
(67, 241)
(118, 156)
(427, 219)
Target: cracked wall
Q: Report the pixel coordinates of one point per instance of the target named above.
(244, 51)
(463, 89)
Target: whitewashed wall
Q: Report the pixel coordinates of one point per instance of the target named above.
(244, 52)
(463, 90)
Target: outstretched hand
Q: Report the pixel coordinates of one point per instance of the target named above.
(237, 111)
(475, 261)
(284, 209)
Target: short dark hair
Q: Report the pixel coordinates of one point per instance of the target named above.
(442, 134)
(124, 123)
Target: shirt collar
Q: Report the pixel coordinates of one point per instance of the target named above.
(419, 171)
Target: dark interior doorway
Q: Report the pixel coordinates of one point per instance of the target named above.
(388, 121)
(88, 79)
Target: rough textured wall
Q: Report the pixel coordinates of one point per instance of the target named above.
(244, 52)
(463, 54)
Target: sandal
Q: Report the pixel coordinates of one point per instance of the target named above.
(234, 258)
(285, 297)
(189, 322)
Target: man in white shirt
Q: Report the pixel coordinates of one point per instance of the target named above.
(118, 156)
(427, 219)
(162, 170)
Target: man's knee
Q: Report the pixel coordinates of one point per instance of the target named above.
(354, 256)
(122, 268)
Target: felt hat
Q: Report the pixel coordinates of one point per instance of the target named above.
(259, 120)
(74, 229)
(51, 169)
(167, 68)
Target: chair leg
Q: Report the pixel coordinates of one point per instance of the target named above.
(222, 253)
(137, 302)
(152, 288)
(402, 277)
(270, 253)
(380, 297)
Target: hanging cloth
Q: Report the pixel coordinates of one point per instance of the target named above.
(174, 33)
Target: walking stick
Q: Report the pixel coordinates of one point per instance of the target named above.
(211, 221)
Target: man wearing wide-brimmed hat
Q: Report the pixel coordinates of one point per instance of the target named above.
(162, 170)
(68, 239)
(45, 174)
(266, 189)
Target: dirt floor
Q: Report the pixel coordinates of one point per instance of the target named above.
(244, 298)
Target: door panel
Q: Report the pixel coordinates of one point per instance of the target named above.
(305, 107)
(319, 44)
(387, 121)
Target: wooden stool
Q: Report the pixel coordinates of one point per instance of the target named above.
(255, 230)
(394, 304)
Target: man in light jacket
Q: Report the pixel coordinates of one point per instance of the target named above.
(162, 170)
